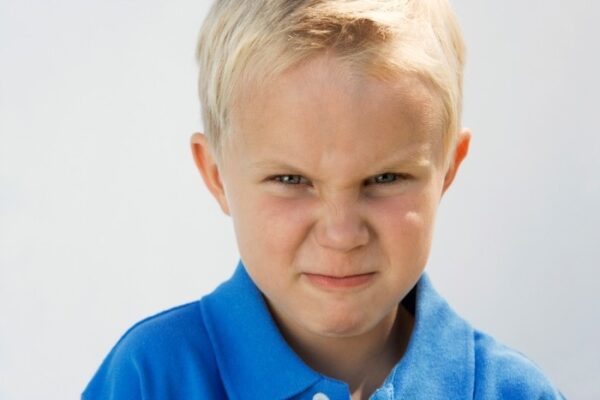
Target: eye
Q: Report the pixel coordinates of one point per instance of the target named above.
(387, 178)
(289, 179)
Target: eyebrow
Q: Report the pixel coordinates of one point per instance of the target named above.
(277, 164)
(413, 159)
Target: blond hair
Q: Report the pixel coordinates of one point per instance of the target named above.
(245, 41)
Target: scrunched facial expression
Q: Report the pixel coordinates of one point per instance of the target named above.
(333, 180)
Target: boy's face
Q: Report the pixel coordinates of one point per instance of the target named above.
(333, 182)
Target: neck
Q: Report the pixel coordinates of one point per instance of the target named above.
(362, 361)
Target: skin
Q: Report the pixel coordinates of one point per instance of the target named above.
(329, 175)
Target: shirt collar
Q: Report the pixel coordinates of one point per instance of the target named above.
(249, 348)
(440, 359)
(248, 345)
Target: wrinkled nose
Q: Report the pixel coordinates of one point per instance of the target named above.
(341, 227)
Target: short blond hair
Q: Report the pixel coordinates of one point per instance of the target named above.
(245, 41)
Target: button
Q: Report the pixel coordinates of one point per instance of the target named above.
(320, 396)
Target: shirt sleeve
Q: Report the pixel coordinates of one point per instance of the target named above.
(503, 373)
(166, 356)
(118, 378)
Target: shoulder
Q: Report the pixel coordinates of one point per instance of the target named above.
(167, 353)
(501, 372)
(167, 330)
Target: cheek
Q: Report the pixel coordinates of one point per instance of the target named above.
(405, 224)
(270, 228)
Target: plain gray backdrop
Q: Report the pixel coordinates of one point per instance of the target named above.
(104, 219)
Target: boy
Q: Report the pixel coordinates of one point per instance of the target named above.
(332, 132)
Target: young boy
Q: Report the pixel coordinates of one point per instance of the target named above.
(332, 132)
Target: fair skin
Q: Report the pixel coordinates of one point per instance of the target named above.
(333, 180)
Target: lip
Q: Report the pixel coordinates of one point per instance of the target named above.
(337, 282)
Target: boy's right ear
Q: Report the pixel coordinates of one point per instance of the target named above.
(209, 169)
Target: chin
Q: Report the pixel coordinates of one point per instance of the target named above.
(343, 326)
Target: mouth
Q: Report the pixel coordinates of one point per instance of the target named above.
(339, 282)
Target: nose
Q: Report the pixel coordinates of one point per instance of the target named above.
(341, 227)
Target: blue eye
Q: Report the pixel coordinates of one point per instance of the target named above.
(289, 179)
(387, 178)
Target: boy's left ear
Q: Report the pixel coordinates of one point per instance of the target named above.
(460, 152)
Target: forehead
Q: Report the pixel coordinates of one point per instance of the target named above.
(323, 109)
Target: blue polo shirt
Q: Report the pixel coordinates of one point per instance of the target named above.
(227, 346)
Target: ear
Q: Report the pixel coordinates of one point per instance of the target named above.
(459, 154)
(209, 169)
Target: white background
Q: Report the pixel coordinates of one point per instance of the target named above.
(104, 219)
